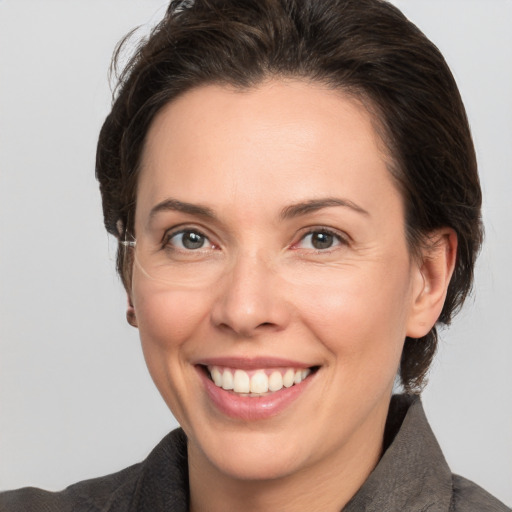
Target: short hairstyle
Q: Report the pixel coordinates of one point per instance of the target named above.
(365, 48)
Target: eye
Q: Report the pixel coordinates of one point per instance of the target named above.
(188, 240)
(321, 239)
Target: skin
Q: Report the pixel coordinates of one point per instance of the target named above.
(259, 288)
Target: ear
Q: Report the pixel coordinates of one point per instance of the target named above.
(130, 312)
(433, 274)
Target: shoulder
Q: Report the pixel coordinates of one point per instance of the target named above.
(112, 491)
(148, 486)
(469, 497)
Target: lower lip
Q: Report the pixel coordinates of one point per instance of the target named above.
(252, 408)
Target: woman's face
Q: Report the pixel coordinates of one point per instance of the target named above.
(271, 248)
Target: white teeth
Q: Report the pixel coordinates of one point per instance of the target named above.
(227, 380)
(217, 376)
(259, 383)
(241, 381)
(288, 378)
(275, 381)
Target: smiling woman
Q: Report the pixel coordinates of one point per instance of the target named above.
(294, 190)
(282, 282)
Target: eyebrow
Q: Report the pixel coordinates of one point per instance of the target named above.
(291, 211)
(303, 208)
(180, 206)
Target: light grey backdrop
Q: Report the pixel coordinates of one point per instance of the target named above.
(76, 400)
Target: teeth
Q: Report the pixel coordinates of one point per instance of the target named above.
(275, 381)
(217, 376)
(288, 378)
(260, 382)
(241, 381)
(227, 380)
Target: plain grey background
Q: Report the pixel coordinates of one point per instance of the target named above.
(76, 400)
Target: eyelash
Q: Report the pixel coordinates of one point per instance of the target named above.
(166, 242)
(340, 238)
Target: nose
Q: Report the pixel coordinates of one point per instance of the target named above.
(250, 300)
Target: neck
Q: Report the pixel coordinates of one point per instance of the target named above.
(326, 485)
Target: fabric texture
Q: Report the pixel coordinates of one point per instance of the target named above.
(412, 476)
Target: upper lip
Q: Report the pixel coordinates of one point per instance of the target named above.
(252, 363)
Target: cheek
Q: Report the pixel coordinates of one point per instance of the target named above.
(360, 315)
(167, 321)
(167, 317)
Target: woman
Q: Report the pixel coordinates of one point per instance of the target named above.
(294, 190)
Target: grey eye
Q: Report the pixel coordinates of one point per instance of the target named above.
(189, 240)
(322, 240)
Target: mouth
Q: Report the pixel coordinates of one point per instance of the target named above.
(255, 389)
(255, 383)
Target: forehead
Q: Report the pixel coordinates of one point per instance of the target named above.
(274, 141)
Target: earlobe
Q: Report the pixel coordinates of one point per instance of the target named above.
(433, 277)
(130, 313)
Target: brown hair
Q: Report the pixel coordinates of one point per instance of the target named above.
(366, 48)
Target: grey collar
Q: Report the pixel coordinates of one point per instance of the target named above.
(412, 475)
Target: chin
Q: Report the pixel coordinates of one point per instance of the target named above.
(258, 467)
(252, 455)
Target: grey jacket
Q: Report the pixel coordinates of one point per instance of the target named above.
(412, 476)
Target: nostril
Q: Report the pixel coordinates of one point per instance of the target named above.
(224, 327)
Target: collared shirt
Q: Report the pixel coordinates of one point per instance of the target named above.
(412, 476)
